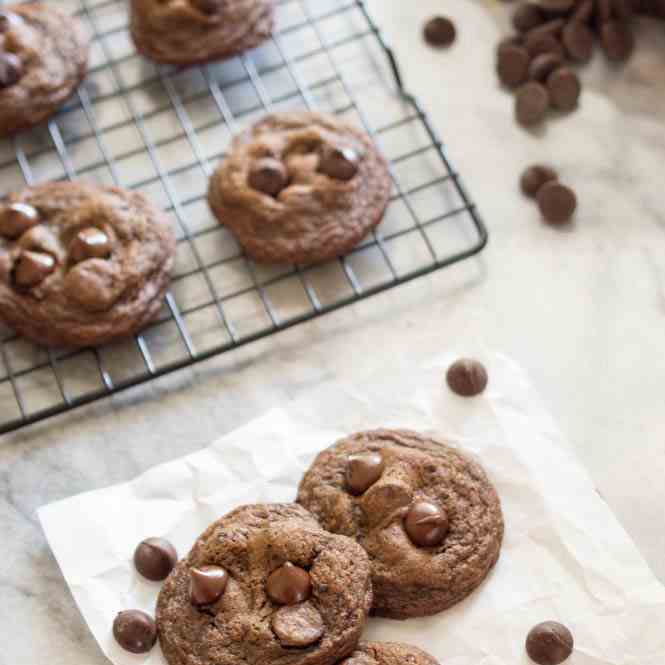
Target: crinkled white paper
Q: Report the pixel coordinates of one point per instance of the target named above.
(565, 556)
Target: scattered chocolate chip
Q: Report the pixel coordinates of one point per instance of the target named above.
(207, 585)
(32, 268)
(531, 103)
(617, 40)
(538, 43)
(89, 243)
(362, 471)
(527, 17)
(426, 524)
(543, 65)
(155, 558)
(339, 163)
(557, 202)
(268, 175)
(549, 643)
(439, 31)
(208, 6)
(513, 65)
(467, 377)
(135, 631)
(298, 625)
(11, 69)
(289, 585)
(564, 88)
(16, 219)
(534, 177)
(578, 41)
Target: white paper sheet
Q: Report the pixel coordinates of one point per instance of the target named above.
(565, 556)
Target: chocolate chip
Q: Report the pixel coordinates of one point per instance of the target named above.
(534, 177)
(362, 471)
(426, 524)
(298, 625)
(90, 243)
(32, 268)
(538, 43)
(617, 40)
(557, 202)
(564, 88)
(467, 377)
(268, 175)
(549, 643)
(155, 558)
(578, 41)
(5, 20)
(554, 27)
(16, 219)
(531, 103)
(207, 585)
(208, 6)
(513, 65)
(11, 70)
(339, 163)
(135, 631)
(527, 16)
(543, 65)
(289, 585)
(439, 31)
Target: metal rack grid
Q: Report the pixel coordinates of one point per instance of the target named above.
(161, 130)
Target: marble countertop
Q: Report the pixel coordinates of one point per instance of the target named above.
(583, 309)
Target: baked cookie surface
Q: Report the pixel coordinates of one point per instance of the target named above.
(81, 265)
(388, 653)
(190, 32)
(293, 594)
(300, 188)
(427, 515)
(43, 58)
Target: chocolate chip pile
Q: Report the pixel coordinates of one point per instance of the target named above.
(554, 35)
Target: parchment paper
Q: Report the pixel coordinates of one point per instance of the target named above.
(565, 556)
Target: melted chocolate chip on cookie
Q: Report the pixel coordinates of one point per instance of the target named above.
(90, 243)
(207, 584)
(298, 625)
(11, 70)
(32, 268)
(362, 471)
(16, 219)
(339, 163)
(268, 175)
(289, 585)
(426, 524)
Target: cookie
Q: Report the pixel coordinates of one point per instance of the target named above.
(388, 653)
(292, 592)
(426, 514)
(81, 265)
(43, 58)
(300, 188)
(190, 32)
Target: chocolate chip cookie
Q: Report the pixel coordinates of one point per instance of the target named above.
(43, 58)
(388, 653)
(426, 514)
(265, 584)
(81, 265)
(300, 188)
(190, 32)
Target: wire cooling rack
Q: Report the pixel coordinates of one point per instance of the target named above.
(162, 130)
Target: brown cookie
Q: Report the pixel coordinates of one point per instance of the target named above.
(266, 613)
(189, 32)
(300, 188)
(388, 653)
(43, 58)
(81, 265)
(431, 521)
